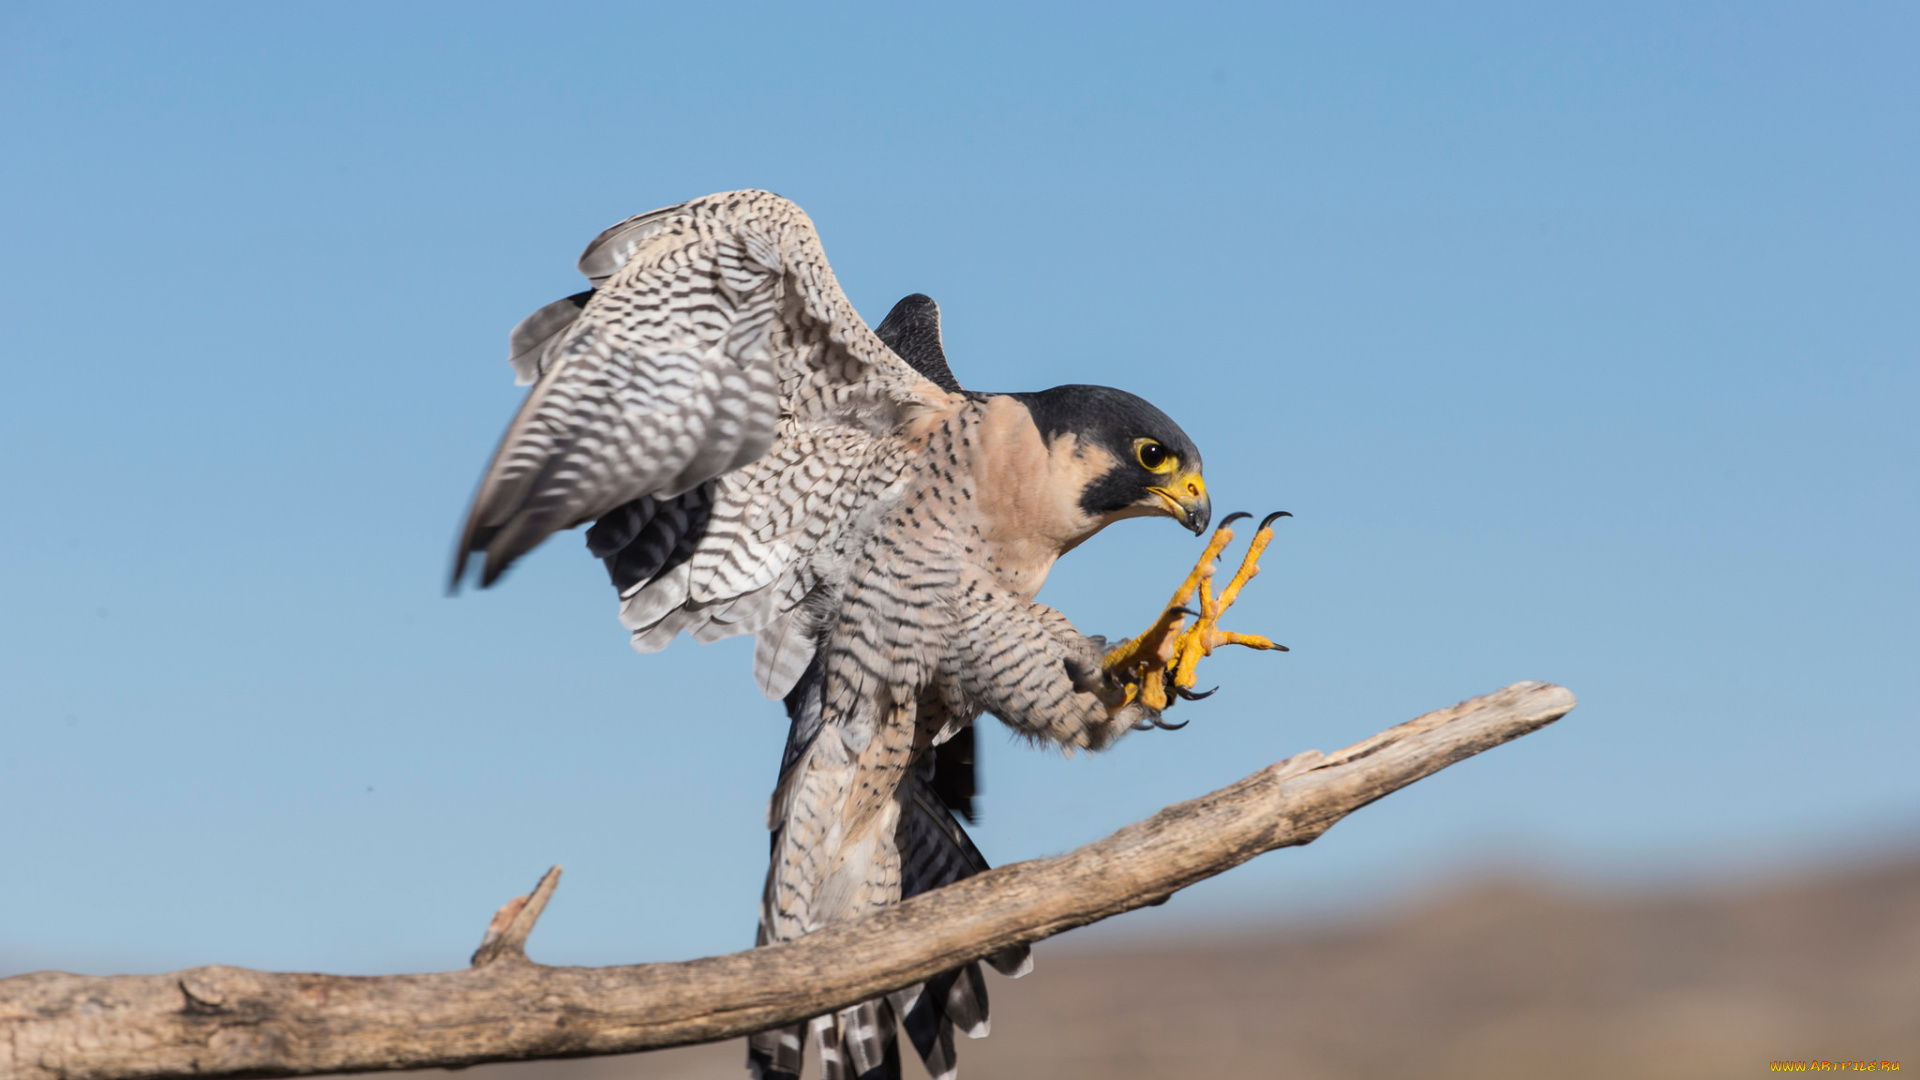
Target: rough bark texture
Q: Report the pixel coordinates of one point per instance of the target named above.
(232, 1022)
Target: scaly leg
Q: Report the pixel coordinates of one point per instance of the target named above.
(1205, 635)
(1167, 653)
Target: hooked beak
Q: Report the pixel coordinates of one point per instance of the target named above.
(1187, 502)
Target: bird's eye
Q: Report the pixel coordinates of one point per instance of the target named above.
(1153, 456)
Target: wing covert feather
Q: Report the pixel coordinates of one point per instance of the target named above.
(709, 322)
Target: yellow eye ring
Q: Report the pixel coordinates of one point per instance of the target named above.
(1153, 456)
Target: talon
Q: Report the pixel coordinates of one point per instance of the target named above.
(1158, 666)
(1164, 726)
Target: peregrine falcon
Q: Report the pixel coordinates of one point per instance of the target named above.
(755, 460)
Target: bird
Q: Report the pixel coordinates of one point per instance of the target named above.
(750, 457)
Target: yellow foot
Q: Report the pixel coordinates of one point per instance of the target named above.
(1164, 658)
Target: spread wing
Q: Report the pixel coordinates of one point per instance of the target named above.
(708, 324)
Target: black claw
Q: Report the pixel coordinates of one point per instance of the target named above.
(1281, 648)
(1230, 519)
(1188, 612)
(1273, 517)
(1188, 695)
(1164, 726)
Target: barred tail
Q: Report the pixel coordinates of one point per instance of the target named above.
(858, 1043)
(862, 1042)
(777, 1054)
(935, 851)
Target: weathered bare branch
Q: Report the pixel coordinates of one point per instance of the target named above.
(507, 933)
(232, 1022)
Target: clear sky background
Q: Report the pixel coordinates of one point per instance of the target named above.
(1583, 345)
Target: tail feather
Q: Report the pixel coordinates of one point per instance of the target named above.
(862, 1042)
(826, 1036)
(858, 1043)
(1014, 962)
(928, 1026)
(967, 1002)
(869, 1040)
(777, 1054)
(936, 851)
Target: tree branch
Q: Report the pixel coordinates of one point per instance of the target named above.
(233, 1022)
(507, 933)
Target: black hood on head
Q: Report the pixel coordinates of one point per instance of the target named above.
(1112, 420)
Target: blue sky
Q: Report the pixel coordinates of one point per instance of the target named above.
(1582, 344)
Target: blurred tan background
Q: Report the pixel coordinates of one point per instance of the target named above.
(1500, 976)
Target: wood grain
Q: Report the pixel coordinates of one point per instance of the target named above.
(233, 1022)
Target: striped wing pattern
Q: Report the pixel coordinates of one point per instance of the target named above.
(714, 329)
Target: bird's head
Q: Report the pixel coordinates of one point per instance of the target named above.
(1152, 468)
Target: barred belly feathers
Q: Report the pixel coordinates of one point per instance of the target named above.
(753, 459)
